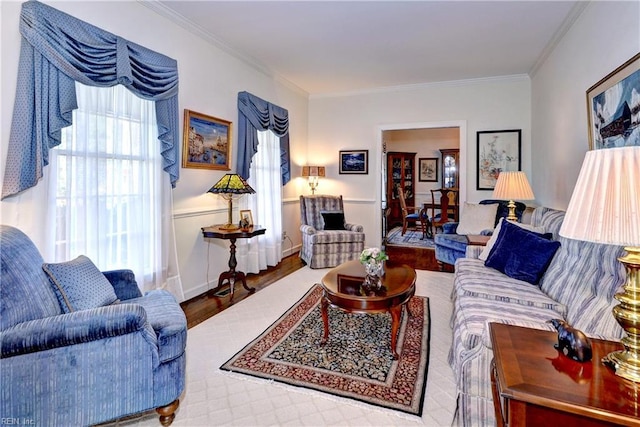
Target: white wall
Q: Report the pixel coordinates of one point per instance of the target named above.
(209, 82)
(355, 121)
(604, 36)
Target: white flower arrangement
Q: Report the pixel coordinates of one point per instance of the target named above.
(373, 255)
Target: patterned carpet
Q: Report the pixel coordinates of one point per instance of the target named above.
(410, 238)
(354, 363)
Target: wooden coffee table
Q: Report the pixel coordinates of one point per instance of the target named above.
(342, 288)
(535, 384)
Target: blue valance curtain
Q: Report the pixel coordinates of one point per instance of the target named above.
(57, 50)
(256, 114)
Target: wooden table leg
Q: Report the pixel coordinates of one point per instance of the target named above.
(324, 305)
(396, 313)
(232, 275)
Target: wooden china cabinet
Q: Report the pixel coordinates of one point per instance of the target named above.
(450, 167)
(400, 177)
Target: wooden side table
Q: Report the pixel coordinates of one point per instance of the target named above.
(477, 239)
(534, 384)
(231, 276)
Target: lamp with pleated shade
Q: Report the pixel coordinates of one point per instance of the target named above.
(605, 208)
(513, 186)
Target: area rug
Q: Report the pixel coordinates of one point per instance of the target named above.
(356, 362)
(410, 238)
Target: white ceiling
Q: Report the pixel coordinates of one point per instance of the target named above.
(328, 47)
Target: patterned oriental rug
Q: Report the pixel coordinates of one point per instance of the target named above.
(356, 362)
(410, 238)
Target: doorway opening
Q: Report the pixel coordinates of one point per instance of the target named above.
(422, 148)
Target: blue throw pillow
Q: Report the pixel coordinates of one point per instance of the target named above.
(521, 254)
(333, 220)
(79, 284)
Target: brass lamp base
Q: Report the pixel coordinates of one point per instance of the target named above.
(627, 362)
(229, 227)
(512, 211)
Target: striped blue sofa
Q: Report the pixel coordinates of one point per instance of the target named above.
(578, 286)
(323, 247)
(90, 365)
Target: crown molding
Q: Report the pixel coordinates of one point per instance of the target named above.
(413, 87)
(197, 30)
(578, 8)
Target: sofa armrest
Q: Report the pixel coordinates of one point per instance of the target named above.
(74, 328)
(450, 227)
(124, 284)
(307, 229)
(473, 251)
(353, 227)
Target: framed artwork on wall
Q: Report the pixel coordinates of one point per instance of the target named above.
(498, 150)
(206, 142)
(354, 162)
(611, 105)
(428, 169)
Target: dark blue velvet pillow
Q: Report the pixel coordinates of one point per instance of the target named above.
(521, 254)
(333, 220)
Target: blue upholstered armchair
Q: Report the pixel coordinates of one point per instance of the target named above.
(449, 246)
(76, 352)
(327, 239)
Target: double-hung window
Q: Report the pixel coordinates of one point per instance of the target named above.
(107, 184)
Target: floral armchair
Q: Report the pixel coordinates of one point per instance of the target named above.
(81, 347)
(327, 239)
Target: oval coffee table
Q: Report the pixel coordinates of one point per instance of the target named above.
(342, 288)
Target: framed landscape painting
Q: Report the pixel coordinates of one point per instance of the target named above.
(613, 108)
(206, 142)
(354, 162)
(498, 151)
(428, 169)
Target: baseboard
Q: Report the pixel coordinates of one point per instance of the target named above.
(204, 287)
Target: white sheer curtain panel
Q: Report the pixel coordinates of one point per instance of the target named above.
(257, 253)
(109, 198)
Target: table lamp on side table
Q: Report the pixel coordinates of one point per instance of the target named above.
(605, 208)
(231, 185)
(513, 186)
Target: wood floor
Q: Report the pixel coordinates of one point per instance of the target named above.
(202, 307)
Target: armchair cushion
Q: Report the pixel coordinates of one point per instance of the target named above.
(79, 285)
(333, 220)
(477, 218)
(521, 254)
(124, 283)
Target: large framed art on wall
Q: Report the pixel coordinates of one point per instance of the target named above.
(206, 142)
(498, 151)
(613, 107)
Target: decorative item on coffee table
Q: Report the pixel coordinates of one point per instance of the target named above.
(373, 260)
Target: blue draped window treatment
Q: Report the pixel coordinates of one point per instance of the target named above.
(56, 51)
(256, 114)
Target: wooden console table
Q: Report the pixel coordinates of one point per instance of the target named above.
(231, 276)
(534, 384)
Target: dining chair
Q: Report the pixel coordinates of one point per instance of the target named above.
(447, 205)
